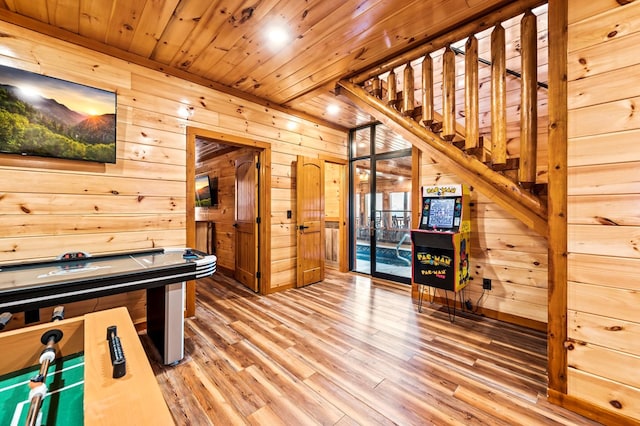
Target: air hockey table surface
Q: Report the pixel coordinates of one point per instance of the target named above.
(33, 285)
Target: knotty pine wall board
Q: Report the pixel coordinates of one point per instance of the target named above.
(596, 269)
(603, 219)
(504, 250)
(140, 201)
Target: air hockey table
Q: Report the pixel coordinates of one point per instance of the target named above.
(72, 277)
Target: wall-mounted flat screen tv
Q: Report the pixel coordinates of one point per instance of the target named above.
(48, 117)
(206, 191)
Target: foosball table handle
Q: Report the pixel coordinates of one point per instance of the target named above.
(118, 360)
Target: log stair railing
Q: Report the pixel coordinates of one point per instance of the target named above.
(482, 162)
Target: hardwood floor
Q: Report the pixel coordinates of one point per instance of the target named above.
(352, 350)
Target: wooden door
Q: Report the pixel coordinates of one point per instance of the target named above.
(246, 224)
(310, 220)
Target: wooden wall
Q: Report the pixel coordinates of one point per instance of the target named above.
(505, 251)
(604, 205)
(50, 207)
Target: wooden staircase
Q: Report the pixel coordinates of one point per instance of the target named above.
(503, 168)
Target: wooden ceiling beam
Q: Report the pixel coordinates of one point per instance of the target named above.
(523, 205)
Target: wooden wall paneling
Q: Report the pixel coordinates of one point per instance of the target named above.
(74, 224)
(502, 249)
(621, 302)
(510, 242)
(603, 57)
(614, 178)
(333, 188)
(597, 361)
(602, 214)
(605, 87)
(36, 203)
(604, 240)
(152, 136)
(593, 389)
(519, 310)
(535, 262)
(71, 182)
(596, 269)
(616, 22)
(512, 274)
(46, 247)
(578, 10)
(80, 67)
(620, 116)
(239, 117)
(616, 335)
(621, 147)
(614, 210)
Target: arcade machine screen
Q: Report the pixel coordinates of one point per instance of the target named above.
(441, 213)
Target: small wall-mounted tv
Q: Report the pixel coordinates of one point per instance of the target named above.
(206, 191)
(48, 117)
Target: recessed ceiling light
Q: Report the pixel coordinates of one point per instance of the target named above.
(278, 36)
(333, 109)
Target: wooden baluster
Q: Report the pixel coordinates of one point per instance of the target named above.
(471, 87)
(448, 94)
(427, 91)
(498, 96)
(408, 91)
(376, 87)
(529, 107)
(392, 89)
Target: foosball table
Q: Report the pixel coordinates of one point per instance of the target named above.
(85, 382)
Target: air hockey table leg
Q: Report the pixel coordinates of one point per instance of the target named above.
(165, 321)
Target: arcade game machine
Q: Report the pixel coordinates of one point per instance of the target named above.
(440, 247)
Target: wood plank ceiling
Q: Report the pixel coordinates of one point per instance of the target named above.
(226, 42)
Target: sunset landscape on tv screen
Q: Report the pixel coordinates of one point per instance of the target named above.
(48, 117)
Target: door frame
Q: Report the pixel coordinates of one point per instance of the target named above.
(264, 206)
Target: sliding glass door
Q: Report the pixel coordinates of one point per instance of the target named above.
(380, 204)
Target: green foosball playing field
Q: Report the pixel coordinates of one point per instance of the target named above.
(81, 385)
(65, 383)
